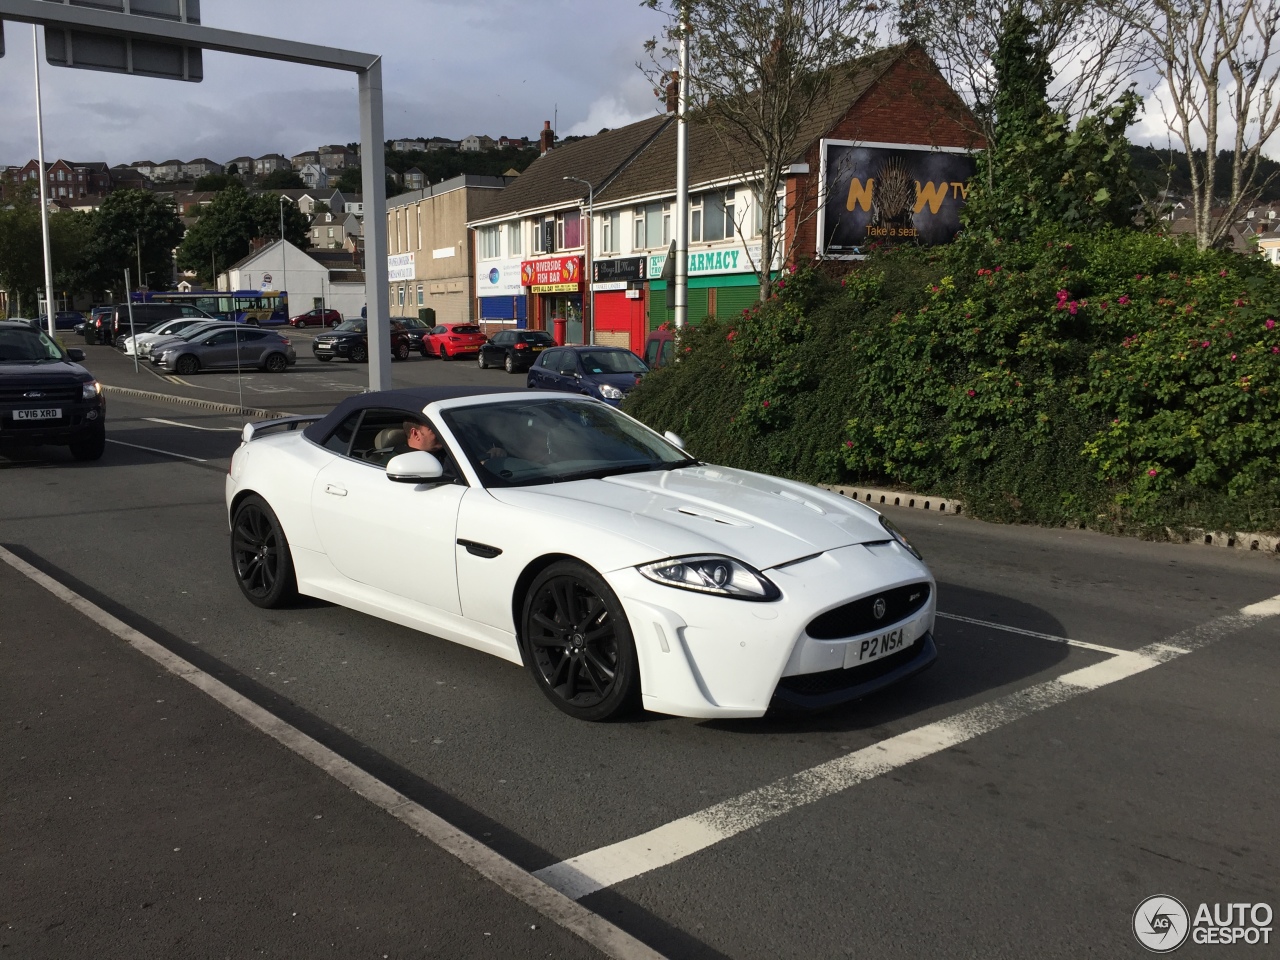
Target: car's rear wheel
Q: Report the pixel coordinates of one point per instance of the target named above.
(402, 351)
(276, 363)
(260, 555)
(186, 365)
(481, 362)
(92, 446)
(510, 364)
(359, 353)
(578, 644)
(444, 353)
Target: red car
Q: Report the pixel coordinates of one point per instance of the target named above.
(317, 317)
(450, 340)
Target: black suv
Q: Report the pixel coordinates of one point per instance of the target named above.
(46, 397)
(350, 339)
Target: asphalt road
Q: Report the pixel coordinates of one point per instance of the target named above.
(1019, 799)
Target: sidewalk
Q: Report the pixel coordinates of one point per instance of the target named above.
(143, 820)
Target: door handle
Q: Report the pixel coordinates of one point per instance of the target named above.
(334, 489)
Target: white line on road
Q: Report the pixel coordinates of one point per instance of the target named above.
(1082, 644)
(611, 865)
(524, 886)
(192, 426)
(167, 453)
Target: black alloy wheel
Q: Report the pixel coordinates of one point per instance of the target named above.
(276, 363)
(260, 555)
(359, 353)
(402, 351)
(578, 644)
(186, 365)
(90, 447)
(510, 364)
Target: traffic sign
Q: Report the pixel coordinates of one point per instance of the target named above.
(89, 50)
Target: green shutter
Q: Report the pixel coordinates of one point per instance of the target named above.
(731, 301)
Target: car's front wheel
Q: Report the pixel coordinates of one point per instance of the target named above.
(402, 351)
(323, 359)
(481, 362)
(276, 363)
(186, 365)
(91, 446)
(510, 364)
(260, 555)
(359, 353)
(578, 644)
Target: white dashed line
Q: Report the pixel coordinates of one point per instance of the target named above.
(1082, 644)
(525, 887)
(611, 865)
(192, 426)
(166, 453)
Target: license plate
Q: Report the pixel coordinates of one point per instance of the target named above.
(48, 413)
(873, 648)
(538, 349)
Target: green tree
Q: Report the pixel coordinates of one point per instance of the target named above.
(22, 250)
(128, 226)
(282, 180)
(1038, 170)
(349, 182)
(213, 182)
(227, 229)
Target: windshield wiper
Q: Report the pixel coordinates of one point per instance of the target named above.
(599, 473)
(678, 464)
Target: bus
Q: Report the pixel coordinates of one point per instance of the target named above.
(256, 307)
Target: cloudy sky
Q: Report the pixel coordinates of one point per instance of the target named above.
(450, 68)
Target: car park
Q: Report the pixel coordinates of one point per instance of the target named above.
(63, 320)
(150, 348)
(572, 539)
(319, 317)
(46, 396)
(350, 340)
(140, 342)
(606, 373)
(514, 350)
(123, 322)
(223, 348)
(449, 340)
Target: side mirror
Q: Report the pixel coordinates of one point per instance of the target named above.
(76, 354)
(416, 466)
(674, 438)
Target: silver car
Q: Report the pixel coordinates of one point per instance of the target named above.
(195, 331)
(233, 348)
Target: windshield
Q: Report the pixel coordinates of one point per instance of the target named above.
(198, 329)
(557, 440)
(465, 329)
(351, 326)
(28, 346)
(413, 322)
(611, 361)
(536, 336)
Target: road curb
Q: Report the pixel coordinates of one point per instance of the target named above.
(192, 402)
(898, 498)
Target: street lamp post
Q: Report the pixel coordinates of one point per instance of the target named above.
(591, 223)
(284, 255)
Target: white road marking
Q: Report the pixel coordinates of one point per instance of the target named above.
(524, 886)
(167, 453)
(1082, 644)
(611, 865)
(192, 426)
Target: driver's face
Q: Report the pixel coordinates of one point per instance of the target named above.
(422, 437)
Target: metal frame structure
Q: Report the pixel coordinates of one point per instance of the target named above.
(366, 66)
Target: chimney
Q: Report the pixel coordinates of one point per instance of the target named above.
(548, 139)
(673, 91)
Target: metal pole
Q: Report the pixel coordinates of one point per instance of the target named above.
(44, 196)
(284, 261)
(373, 165)
(137, 236)
(682, 177)
(133, 336)
(589, 329)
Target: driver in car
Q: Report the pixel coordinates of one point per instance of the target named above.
(420, 435)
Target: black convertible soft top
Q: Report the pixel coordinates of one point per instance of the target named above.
(411, 400)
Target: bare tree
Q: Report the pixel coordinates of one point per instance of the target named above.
(760, 72)
(1218, 67)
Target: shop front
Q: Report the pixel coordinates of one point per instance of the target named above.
(618, 291)
(556, 285)
(722, 283)
(502, 300)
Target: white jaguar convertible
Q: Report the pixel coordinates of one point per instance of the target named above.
(557, 532)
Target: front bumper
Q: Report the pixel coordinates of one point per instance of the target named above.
(339, 348)
(78, 421)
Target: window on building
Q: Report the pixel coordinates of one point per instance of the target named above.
(401, 296)
(490, 242)
(653, 226)
(610, 231)
(568, 230)
(331, 233)
(420, 300)
(514, 246)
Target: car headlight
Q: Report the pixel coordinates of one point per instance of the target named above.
(721, 576)
(610, 392)
(91, 390)
(900, 537)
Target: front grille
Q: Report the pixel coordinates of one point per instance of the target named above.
(835, 681)
(858, 617)
(51, 395)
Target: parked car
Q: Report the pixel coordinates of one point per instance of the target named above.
(319, 317)
(144, 315)
(151, 348)
(417, 330)
(350, 339)
(606, 373)
(46, 397)
(572, 539)
(227, 348)
(141, 342)
(514, 350)
(449, 340)
(89, 328)
(660, 348)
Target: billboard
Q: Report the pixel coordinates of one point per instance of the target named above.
(87, 50)
(890, 193)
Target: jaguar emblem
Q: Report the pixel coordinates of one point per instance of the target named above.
(879, 608)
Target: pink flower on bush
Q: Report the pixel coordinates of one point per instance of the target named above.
(1222, 273)
(732, 334)
(1152, 472)
(973, 393)
(1123, 300)
(1072, 308)
(1275, 349)
(1206, 344)
(792, 268)
(848, 443)
(1233, 357)
(766, 403)
(1270, 324)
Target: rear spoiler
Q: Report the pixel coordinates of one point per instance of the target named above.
(285, 424)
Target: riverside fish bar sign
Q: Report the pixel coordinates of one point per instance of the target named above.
(552, 274)
(890, 194)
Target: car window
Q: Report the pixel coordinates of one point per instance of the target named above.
(246, 336)
(651, 352)
(351, 326)
(668, 351)
(548, 359)
(466, 328)
(340, 440)
(535, 336)
(502, 336)
(222, 336)
(27, 346)
(567, 364)
(440, 329)
(612, 361)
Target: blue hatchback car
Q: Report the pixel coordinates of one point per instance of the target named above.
(606, 373)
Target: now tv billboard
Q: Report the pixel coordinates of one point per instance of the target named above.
(887, 193)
